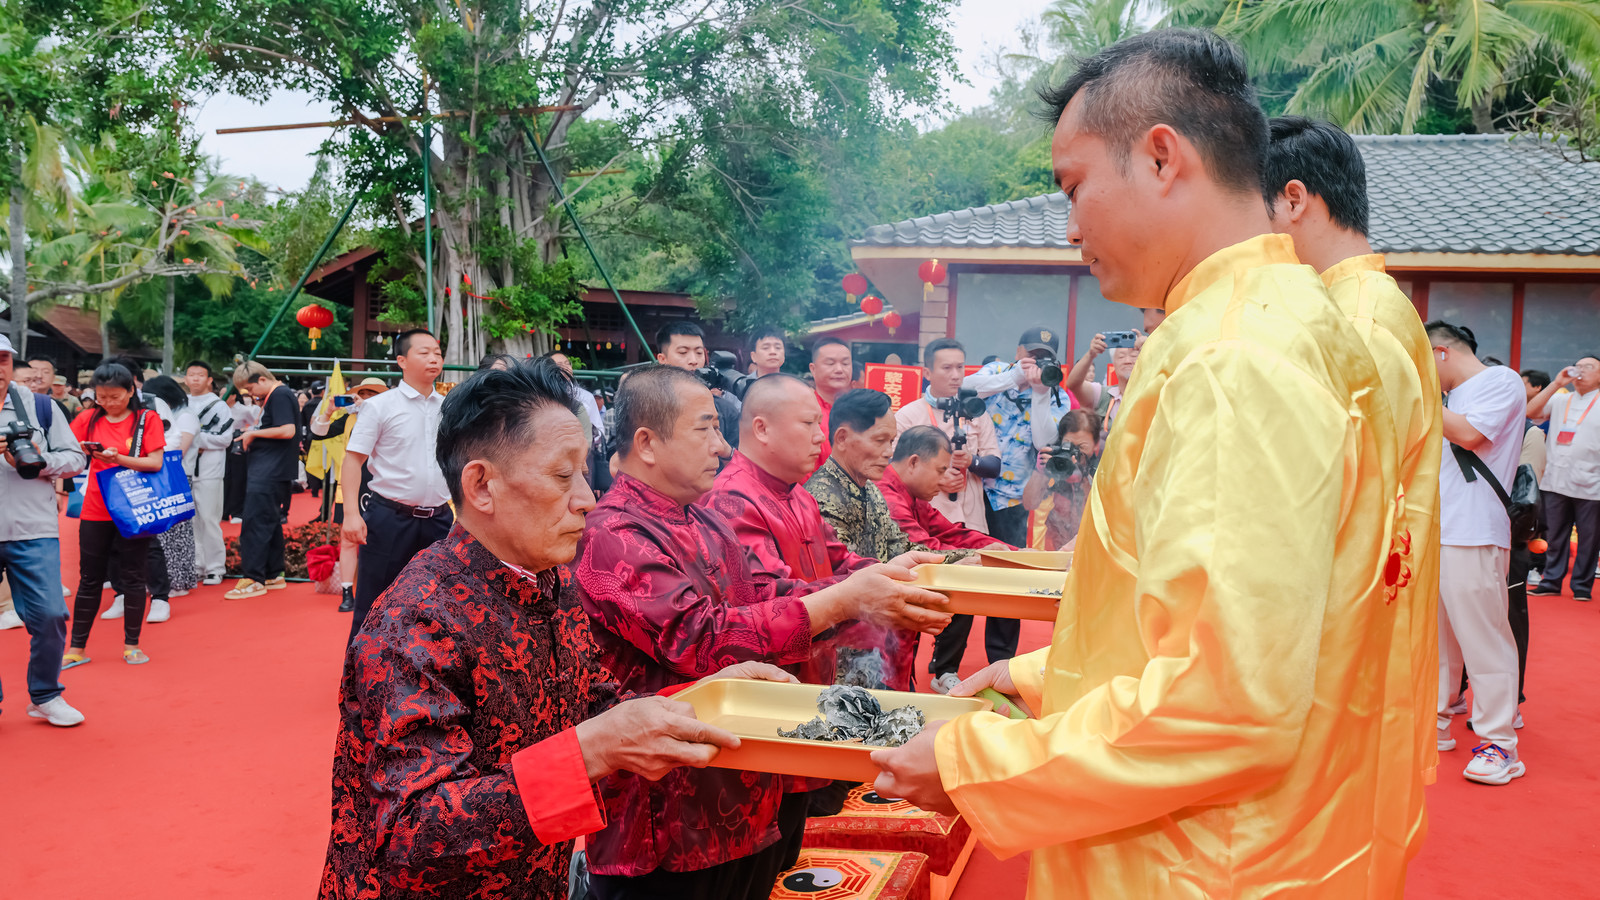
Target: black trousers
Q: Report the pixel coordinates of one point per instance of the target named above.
(157, 580)
(393, 537)
(261, 535)
(999, 635)
(1561, 513)
(102, 548)
(750, 878)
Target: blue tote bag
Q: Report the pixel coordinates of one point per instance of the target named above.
(142, 504)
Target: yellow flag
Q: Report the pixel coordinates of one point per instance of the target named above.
(327, 455)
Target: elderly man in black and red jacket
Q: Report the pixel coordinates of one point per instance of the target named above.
(473, 716)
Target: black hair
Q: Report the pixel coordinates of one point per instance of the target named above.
(202, 364)
(1441, 331)
(858, 409)
(768, 331)
(1537, 377)
(168, 389)
(113, 374)
(493, 411)
(1076, 420)
(935, 346)
(1193, 80)
(131, 364)
(649, 399)
(40, 357)
(827, 340)
(1323, 158)
(923, 441)
(501, 360)
(402, 341)
(1492, 361)
(671, 330)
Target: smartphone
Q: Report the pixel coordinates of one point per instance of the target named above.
(344, 400)
(1116, 339)
(92, 446)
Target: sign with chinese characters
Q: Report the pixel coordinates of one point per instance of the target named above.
(903, 384)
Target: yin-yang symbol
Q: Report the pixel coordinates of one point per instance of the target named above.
(813, 880)
(875, 797)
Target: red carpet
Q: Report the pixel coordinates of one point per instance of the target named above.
(205, 773)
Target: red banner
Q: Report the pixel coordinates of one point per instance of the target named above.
(903, 384)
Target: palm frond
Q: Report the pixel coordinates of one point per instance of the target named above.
(1571, 25)
(1486, 42)
(1366, 90)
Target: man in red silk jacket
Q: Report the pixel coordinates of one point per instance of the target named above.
(912, 479)
(463, 764)
(672, 593)
(761, 495)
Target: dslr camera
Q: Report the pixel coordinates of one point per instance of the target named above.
(18, 438)
(722, 374)
(966, 404)
(1065, 460)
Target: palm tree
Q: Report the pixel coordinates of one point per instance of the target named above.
(1375, 66)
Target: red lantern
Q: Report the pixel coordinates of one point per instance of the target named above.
(892, 320)
(855, 284)
(315, 318)
(931, 273)
(871, 306)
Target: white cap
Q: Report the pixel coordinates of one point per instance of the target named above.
(5, 345)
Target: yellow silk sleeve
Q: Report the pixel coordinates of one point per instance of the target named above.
(1027, 675)
(1236, 507)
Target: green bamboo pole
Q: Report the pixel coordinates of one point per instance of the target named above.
(576, 224)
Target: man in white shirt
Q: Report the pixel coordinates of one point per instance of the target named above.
(206, 462)
(1570, 488)
(395, 438)
(961, 497)
(1104, 399)
(1483, 416)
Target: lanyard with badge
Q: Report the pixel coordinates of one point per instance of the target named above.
(1565, 435)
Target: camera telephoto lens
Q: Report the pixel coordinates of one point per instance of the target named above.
(17, 436)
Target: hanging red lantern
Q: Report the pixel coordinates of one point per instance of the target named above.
(855, 284)
(315, 318)
(931, 272)
(871, 305)
(892, 320)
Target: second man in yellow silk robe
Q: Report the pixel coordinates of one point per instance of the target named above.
(1211, 706)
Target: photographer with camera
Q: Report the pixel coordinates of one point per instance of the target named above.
(1025, 401)
(1105, 399)
(38, 448)
(683, 345)
(1064, 473)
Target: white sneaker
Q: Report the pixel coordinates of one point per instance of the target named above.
(66, 591)
(56, 712)
(236, 520)
(1460, 708)
(9, 619)
(160, 611)
(946, 682)
(213, 578)
(171, 594)
(1517, 722)
(1492, 765)
(1534, 577)
(1446, 742)
(115, 612)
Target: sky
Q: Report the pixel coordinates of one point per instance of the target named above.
(285, 158)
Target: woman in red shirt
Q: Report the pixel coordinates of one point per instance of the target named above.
(107, 434)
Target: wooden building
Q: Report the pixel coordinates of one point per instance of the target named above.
(1496, 233)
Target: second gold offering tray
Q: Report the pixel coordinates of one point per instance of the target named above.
(993, 591)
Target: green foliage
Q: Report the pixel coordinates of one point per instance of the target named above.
(216, 329)
(542, 297)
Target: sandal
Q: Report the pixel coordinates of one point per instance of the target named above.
(134, 657)
(73, 660)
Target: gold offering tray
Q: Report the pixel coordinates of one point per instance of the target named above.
(755, 710)
(991, 591)
(1050, 560)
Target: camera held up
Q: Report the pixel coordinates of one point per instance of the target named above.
(721, 375)
(18, 438)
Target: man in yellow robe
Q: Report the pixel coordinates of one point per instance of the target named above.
(1210, 709)
(1317, 184)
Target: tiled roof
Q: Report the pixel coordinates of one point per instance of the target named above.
(1430, 193)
